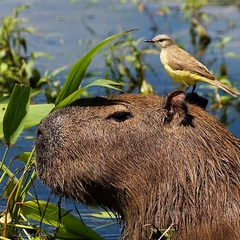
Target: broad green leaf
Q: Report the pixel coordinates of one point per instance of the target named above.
(35, 114)
(70, 226)
(75, 95)
(78, 70)
(16, 113)
(3, 106)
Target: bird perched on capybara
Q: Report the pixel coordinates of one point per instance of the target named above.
(159, 162)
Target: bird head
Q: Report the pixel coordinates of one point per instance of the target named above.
(161, 40)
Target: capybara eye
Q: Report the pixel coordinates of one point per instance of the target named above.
(120, 116)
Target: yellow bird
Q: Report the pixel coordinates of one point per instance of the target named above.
(183, 67)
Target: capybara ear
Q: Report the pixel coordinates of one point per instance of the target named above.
(176, 109)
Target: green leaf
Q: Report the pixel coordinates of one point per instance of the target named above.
(70, 226)
(225, 40)
(36, 113)
(41, 54)
(75, 95)
(16, 113)
(232, 54)
(58, 70)
(103, 215)
(24, 156)
(4, 100)
(78, 70)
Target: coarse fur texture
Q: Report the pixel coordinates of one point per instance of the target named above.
(157, 161)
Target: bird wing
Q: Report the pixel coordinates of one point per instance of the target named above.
(182, 60)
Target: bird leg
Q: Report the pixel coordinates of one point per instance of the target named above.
(193, 88)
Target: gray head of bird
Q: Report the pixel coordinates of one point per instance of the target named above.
(161, 40)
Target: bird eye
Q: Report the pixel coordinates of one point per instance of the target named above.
(162, 40)
(120, 116)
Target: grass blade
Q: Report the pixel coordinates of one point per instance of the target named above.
(75, 95)
(78, 70)
(70, 226)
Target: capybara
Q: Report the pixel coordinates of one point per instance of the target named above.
(158, 162)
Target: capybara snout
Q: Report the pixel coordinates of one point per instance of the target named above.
(156, 161)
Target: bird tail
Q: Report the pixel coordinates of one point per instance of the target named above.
(226, 88)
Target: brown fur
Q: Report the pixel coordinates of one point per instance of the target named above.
(155, 161)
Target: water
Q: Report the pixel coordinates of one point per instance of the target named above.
(66, 29)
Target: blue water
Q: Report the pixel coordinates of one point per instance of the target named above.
(64, 35)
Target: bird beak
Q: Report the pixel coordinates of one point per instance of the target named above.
(150, 41)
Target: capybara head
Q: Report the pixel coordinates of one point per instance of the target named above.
(159, 162)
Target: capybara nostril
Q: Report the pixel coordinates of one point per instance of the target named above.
(39, 132)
